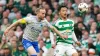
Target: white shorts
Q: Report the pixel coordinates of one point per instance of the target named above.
(62, 50)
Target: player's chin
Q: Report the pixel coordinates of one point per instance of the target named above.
(42, 18)
(64, 16)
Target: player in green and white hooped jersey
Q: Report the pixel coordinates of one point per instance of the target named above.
(66, 27)
(34, 25)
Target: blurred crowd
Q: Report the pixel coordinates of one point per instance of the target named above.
(87, 25)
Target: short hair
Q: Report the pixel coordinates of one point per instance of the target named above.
(61, 6)
(38, 9)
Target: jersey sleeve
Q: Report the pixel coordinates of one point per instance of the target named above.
(73, 25)
(47, 23)
(28, 19)
(56, 24)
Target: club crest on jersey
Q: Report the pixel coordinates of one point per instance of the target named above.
(68, 30)
(41, 25)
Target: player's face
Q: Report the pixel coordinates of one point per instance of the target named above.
(45, 32)
(63, 12)
(42, 14)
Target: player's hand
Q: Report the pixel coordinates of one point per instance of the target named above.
(53, 46)
(78, 43)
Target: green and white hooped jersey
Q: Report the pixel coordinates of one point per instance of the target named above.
(93, 35)
(65, 27)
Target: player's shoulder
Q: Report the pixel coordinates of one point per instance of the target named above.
(57, 21)
(31, 18)
(69, 19)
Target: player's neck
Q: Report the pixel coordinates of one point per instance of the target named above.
(64, 18)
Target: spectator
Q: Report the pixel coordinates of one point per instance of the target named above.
(10, 35)
(49, 12)
(2, 2)
(75, 5)
(48, 40)
(87, 17)
(43, 4)
(46, 6)
(5, 24)
(48, 18)
(9, 5)
(69, 5)
(3, 41)
(93, 31)
(14, 48)
(84, 40)
(12, 14)
(79, 19)
(95, 11)
(23, 7)
(18, 16)
(5, 14)
(72, 15)
(61, 1)
(84, 52)
(78, 30)
(33, 10)
(1, 11)
(19, 32)
(2, 52)
(35, 2)
(21, 50)
(91, 44)
(7, 50)
(55, 6)
(89, 23)
(98, 21)
(98, 44)
(1, 33)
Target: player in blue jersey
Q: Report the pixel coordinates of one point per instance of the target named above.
(34, 25)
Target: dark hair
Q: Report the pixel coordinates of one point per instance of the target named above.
(61, 6)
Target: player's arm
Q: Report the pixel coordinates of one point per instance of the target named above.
(55, 30)
(14, 24)
(75, 39)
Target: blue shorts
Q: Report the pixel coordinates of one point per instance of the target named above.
(27, 43)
